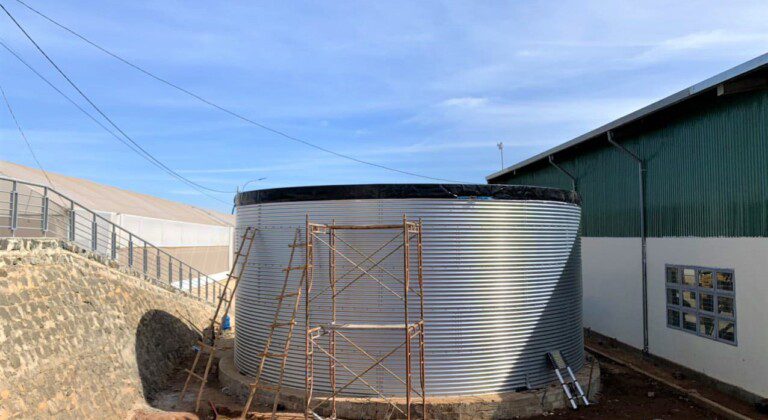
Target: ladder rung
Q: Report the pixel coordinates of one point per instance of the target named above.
(298, 245)
(275, 355)
(287, 295)
(195, 375)
(300, 267)
(204, 345)
(283, 324)
(221, 348)
(264, 387)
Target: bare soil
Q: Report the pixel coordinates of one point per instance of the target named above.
(215, 403)
(671, 373)
(625, 394)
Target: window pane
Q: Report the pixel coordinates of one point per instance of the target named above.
(689, 321)
(689, 277)
(725, 281)
(702, 301)
(673, 318)
(689, 299)
(707, 326)
(673, 297)
(726, 330)
(672, 275)
(725, 305)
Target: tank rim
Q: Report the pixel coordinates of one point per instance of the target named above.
(404, 191)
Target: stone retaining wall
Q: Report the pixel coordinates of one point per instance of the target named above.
(80, 338)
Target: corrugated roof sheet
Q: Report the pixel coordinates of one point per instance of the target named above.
(657, 106)
(102, 197)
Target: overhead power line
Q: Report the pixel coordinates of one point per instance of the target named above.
(24, 136)
(144, 153)
(224, 109)
(81, 109)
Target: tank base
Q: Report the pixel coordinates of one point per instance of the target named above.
(486, 406)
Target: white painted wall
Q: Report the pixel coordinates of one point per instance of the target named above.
(611, 273)
(613, 302)
(172, 233)
(745, 365)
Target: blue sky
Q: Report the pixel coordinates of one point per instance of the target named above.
(428, 87)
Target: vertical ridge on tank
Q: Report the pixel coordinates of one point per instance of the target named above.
(502, 279)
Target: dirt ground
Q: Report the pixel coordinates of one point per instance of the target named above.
(215, 404)
(625, 394)
(670, 373)
(628, 395)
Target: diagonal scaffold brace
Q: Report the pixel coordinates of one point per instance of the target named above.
(412, 326)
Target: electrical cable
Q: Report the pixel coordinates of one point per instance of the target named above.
(147, 155)
(224, 109)
(24, 136)
(81, 109)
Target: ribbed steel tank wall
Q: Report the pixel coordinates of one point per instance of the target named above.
(502, 285)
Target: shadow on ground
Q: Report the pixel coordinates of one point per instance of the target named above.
(163, 341)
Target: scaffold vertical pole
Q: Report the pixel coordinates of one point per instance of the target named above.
(422, 367)
(406, 278)
(332, 334)
(411, 239)
(308, 354)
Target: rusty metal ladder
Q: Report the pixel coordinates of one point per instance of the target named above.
(276, 324)
(208, 344)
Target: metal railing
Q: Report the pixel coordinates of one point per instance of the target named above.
(32, 210)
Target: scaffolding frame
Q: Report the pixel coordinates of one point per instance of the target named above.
(408, 232)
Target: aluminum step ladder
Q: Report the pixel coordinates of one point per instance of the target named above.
(570, 385)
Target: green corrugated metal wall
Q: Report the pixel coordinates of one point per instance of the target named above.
(707, 175)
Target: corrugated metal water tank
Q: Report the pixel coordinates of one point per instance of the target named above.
(502, 279)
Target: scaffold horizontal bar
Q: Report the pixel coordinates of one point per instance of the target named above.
(367, 326)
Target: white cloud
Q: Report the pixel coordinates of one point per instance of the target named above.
(465, 102)
(518, 113)
(723, 41)
(423, 86)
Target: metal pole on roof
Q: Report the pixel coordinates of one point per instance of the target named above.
(500, 145)
(242, 188)
(643, 242)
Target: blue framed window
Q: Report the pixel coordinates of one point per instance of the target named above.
(702, 301)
